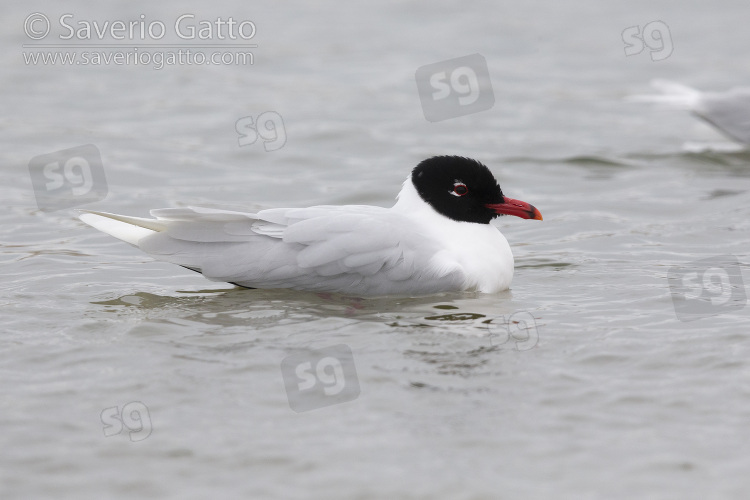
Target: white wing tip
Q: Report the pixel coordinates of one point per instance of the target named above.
(672, 93)
(127, 232)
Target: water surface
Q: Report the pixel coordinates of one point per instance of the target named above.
(616, 397)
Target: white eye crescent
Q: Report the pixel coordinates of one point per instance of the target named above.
(459, 189)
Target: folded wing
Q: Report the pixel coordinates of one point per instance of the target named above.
(350, 249)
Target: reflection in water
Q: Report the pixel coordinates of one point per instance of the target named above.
(258, 308)
(458, 333)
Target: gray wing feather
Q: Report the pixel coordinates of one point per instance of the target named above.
(728, 111)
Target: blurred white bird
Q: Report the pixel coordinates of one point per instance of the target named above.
(728, 111)
(436, 238)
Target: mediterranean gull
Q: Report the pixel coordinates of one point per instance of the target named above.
(436, 238)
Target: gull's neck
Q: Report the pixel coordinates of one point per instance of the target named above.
(409, 202)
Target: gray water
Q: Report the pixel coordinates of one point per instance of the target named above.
(123, 377)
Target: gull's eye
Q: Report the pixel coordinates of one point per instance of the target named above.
(459, 189)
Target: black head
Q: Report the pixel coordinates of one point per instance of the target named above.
(465, 190)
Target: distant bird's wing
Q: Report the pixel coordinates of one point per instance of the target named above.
(728, 111)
